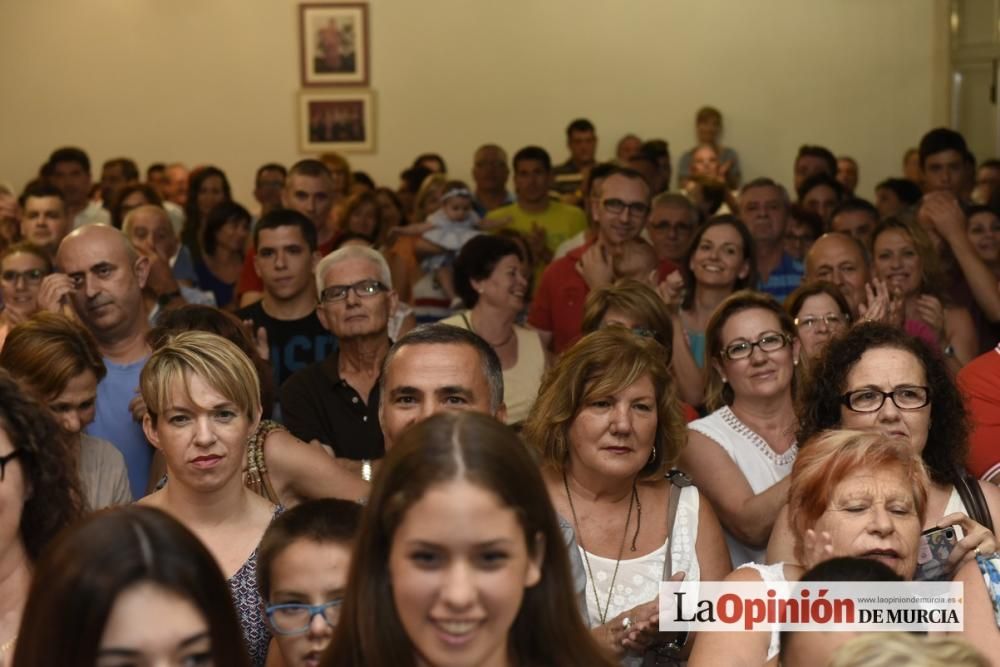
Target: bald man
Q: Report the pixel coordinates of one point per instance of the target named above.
(102, 279)
(840, 259)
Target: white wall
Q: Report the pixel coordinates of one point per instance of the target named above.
(216, 81)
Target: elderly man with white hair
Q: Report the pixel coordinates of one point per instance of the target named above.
(336, 401)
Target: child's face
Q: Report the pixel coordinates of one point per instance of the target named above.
(313, 573)
(457, 208)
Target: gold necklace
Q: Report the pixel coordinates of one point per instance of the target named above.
(633, 500)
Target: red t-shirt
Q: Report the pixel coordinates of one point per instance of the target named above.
(558, 303)
(979, 381)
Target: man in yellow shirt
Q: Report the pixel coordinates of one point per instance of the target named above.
(544, 222)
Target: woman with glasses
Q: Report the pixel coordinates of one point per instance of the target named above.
(718, 262)
(820, 312)
(740, 455)
(129, 586)
(202, 404)
(22, 267)
(878, 378)
(302, 570)
(39, 496)
(489, 277)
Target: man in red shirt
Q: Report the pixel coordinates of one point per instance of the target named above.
(978, 381)
(619, 209)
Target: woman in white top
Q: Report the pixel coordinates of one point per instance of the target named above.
(490, 278)
(876, 377)
(741, 454)
(852, 494)
(607, 426)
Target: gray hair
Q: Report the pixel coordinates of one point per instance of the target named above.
(353, 252)
(445, 334)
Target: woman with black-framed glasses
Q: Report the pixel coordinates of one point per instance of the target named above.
(22, 267)
(741, 454)
(876, 377)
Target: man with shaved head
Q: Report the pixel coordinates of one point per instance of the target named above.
(101, 279)
(840, 259)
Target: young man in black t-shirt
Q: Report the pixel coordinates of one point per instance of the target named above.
(286, 257)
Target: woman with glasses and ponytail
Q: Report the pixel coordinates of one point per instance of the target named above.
(740, 455)
(878, 378)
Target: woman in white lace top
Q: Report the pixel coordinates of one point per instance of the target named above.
(741, 454)
(607, 426)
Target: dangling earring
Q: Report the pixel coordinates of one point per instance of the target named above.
(652, 455)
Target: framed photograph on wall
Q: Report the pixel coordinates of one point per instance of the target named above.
(337, 121)
(334, 44)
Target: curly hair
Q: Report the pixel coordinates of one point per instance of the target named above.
(600, 364)
(52, 484)
(820, 400)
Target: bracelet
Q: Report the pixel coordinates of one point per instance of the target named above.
(366, 470)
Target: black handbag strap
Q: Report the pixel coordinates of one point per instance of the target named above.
(975, 502)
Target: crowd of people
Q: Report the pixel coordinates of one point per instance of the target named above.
(444, 423)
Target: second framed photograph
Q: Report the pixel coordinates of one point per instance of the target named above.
(337, 121)
(334, 44)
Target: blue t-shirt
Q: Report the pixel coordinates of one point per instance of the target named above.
(114, 422)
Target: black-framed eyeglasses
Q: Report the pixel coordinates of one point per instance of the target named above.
(831, 320)
(769, 342)
(361, 289)
(636, 209)
(31, 276)
(295, 618)
(907, 397)
(4, 460)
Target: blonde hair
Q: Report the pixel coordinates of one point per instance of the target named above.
(217, 361)
(831, 457)
(600, 364)
(899, 649)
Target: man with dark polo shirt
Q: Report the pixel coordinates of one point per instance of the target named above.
(286, 256)
(336, 401)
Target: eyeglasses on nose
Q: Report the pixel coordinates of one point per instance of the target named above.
(31, 276)
(906, 397)
(361, 289)
(831, 319)
(295, 618)
(636, 209)
(771, 342)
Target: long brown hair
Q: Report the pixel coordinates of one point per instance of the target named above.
(548, 629)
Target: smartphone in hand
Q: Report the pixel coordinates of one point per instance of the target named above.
(936, 545)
